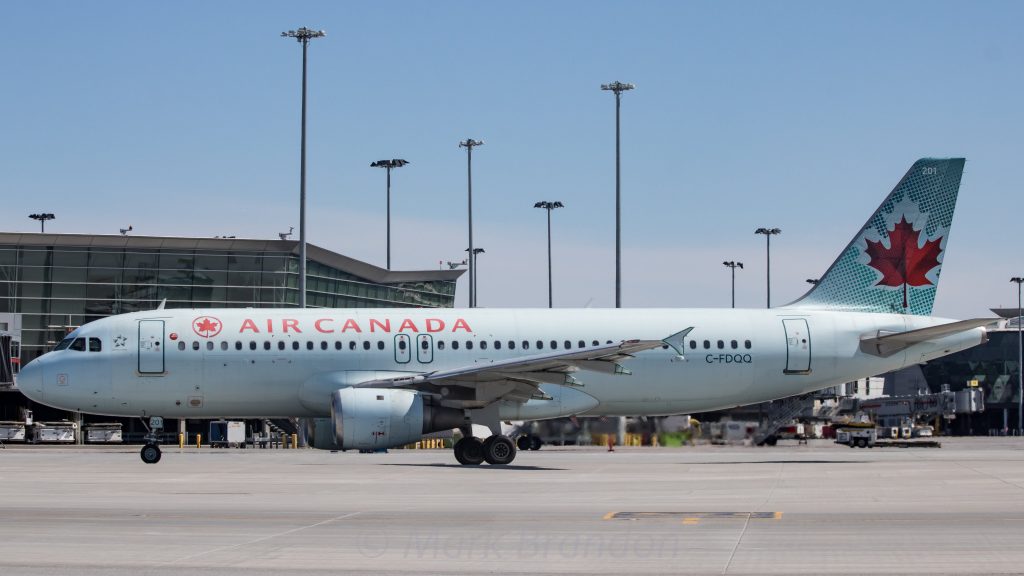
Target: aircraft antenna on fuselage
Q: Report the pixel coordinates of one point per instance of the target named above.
(162, 304)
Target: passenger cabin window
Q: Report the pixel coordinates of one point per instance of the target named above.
(469, 344)
(323, 345)
(440, 344)
(693, 344)
(707, 344)
(78, 345)
(582, 344)
(252, 345)
(309, 345)
(280, 344)
(511, 344)
(295, 345)
(337, 344)
(483, 344)
(209, 345)
(455, 344)
(366, 345)
(554, 345)
(568, 345)
(596, 343)
(266, 344)
(380, 344)
(540, 344)
(195, 345)
(238, 344)
(526, 344)
(734, 345)
(352, 345)
(95, 345)
(181, 345)
(497, 344)
(721, 344)
(746, 344)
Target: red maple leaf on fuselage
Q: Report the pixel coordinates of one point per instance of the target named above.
(206, 326)
(904, 263)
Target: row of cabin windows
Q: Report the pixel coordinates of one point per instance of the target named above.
(352, 345)
(721, 344)
(424, 344)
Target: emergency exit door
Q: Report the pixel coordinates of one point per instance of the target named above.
(798, 346)
(151, 346)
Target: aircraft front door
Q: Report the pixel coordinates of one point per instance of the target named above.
(151, 346)
(798, 346)
(425, 348)
(403, 352)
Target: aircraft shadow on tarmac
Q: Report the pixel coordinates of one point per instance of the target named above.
(781, 462)
(505, 467)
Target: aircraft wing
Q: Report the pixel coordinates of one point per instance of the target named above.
(485, 381)
(886, 344)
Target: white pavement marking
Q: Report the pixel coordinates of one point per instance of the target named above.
(258, 540)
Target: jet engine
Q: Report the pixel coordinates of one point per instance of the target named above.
(377, 418)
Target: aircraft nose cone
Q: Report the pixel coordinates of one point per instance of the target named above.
(30, 380)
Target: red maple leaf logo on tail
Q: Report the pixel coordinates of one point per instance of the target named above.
(903, 263)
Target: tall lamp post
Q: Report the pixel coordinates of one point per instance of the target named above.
(549, 206)
(1020, 361)
(768, 233)
(618, 88)
(733, 265)
(303, 36)
(469, 144)
(42, 218)
(389, 165)
(472, 267)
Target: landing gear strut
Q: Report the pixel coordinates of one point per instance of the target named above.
(150, 452)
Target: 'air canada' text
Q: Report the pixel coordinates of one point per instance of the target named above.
(337, 325)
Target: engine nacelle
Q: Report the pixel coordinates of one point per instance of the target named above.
(373, 418)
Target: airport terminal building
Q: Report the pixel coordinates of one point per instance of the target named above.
(53, 283)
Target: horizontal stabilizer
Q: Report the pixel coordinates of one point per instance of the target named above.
(886, 344)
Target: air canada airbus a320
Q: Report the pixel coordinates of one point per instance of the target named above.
(377, 378)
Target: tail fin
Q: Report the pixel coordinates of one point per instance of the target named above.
(893, 263)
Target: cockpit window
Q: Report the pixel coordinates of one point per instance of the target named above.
(78, 345)
(64, 344)
(95, 345)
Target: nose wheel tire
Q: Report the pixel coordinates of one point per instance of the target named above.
(150, 453)
(499, 450)
(469, 451)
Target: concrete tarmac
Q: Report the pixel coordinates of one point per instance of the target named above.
(817, 509)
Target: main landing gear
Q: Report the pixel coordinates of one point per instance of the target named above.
(150, 452)
(498, 450)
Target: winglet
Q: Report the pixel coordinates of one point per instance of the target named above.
(676, 342)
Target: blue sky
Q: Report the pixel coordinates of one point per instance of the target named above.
(183, 119)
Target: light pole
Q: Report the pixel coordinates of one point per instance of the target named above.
(42, 218)
(618, 88)
(388, 165)
(1020, 361)
(549, 206)
(472, 269)
(768, 233)
(469, 144)
(303, 36)
(733, 265)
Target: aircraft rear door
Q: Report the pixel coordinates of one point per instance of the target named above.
(151, 346)
(798, 346)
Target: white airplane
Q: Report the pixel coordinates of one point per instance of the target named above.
(378, 378)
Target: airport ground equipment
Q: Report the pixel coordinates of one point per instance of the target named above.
(104, 433)
(12, 431)
(857, 436)
(62, 432)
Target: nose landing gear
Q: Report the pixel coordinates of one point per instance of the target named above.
(150, 452)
